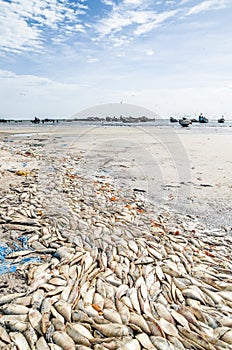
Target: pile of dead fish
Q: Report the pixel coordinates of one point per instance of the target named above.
(112, 276)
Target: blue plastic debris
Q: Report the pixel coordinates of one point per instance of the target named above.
(7, 268)
(5, 250)
(17, 247)
(24, 240)
(27, 261)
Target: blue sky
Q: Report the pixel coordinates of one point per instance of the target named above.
(58, 57)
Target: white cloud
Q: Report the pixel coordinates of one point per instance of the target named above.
(33, 25)
(208, 5)
(157, 20)
(150, 53)
(33, 95)
(113, 23)
(122, 40)
(108, 2)
(92, 59)
(15, 33)
(25, 24)
(6, 74)
(133, 2)
(135, 16)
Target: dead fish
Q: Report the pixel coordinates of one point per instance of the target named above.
(64, 308)
(35, 318)
(179, 296)
(31, 336)
(112, 315)
(54, 291)
(39, 281)
(4, 318)
(171, 269)
(54, 346)
(226, 295)
(181, 283)
(154, 327)
(177, 343)
(98, 300)
(19, 253)
(130, 345)
(114, 280)
(17, 326)
(25, 300)
(121, 290)
(143, 260)
(162, 344)
(215, 297)
(196, 338)
(168, 327)
(88, 296)
(145, 341)
(123, 311)
(73, 296)
(45, 322)
(163, 312)
(154, 253)
(184, 311)
(132, 293)
(83, 347)
(6, 299)
(133, 246)
(159, 273)
(14, 309)
(126, 300)
(112, 330)
(76, 335)
(139, 321)
(179, 319)
(41, 344)
(58, 281)
(19, 340)
(66, 291)
(4, 335)
(63, 340)
(194, 293)
(80, 317)
(227, 337)
(37, 298)
(58, 324)
(83, 330)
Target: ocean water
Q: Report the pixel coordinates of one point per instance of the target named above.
(159, 123)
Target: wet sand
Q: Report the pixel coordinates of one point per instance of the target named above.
(188, 170)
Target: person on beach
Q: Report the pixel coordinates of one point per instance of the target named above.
(201, 117)
(36, 120)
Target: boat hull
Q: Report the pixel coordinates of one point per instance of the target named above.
(203, 120)
(185, 123)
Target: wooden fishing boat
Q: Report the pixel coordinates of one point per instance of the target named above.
(203, 119)
(173, 120)
(185, 122)
(221, 120)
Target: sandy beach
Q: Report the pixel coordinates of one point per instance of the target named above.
(187, 170)
(115, 237)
